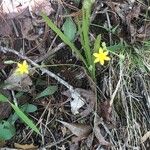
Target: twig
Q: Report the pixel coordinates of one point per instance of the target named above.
(109, 25)
(118, 84)
(58, 142)
(73, 92)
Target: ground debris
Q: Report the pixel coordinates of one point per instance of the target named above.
(76, 104)
(25, 146)
(97, 132)
(80, 130)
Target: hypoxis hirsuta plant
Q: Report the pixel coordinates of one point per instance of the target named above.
(83, 28)
(21, 70)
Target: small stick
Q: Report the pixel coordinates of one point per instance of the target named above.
(118, 84)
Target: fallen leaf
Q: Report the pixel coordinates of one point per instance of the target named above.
(145, 137)
(5, 110)
(89, 140)
(38, 6)
(97, 132)
(74, 145)
(64, 130)
(80, 130)
(88, 99)
(5, 27)
(26, 146)
(12, 8)
(27, 30)
(18, 82)
(63, 147)
(106, 111)
(76, 104)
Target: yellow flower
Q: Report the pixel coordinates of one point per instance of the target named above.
(22, 68)
(101, 56)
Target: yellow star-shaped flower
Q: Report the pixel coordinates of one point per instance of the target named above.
(22, 68)
(101, 56)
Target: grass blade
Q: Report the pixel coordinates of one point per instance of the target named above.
(63, 37)
(25, 118)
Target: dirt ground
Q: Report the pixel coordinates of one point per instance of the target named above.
(115, 114)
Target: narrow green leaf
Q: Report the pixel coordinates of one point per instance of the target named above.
(97, 43)
(69, 29)
(28, 108)
(28, 121)
(63, 37)
(3, 98)
(48, 91)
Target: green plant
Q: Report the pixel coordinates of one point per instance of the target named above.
(83, 28)
(8, 126)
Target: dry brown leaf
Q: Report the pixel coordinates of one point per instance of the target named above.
(5, 110)
(105, 111)
(144, 32)
(15, 8)
(25, 146)
(5, 27)
(18, 82)
(64, 130)
(38, 6)
(79, 130)
(12, 8)
(89, 140)
(97, 132)
(145, 137)
(89, 98)
(27, 30)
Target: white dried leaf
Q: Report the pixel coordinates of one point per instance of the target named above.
(77, 103)
(80, 98)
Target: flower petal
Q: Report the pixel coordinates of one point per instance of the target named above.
(26, 71)
(17, 70)
(107, 58)
(25, 63)
(106, 53)
(104, 45)
(96, 54)
(100, 50)
(96, 60)
(19, 65)
(101, 62)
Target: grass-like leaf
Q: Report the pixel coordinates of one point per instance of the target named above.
(63, 37)
(23, 116)
(3, 98)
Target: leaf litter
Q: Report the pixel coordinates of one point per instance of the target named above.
(77, 103)
(131, 27)
(80, 130)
